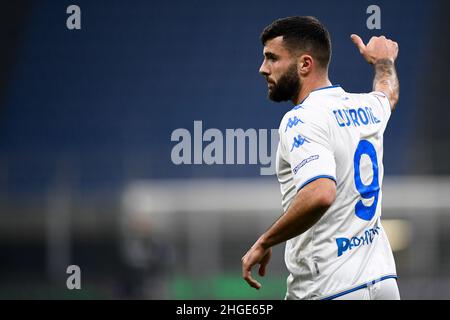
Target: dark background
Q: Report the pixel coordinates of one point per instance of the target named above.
(83, 113)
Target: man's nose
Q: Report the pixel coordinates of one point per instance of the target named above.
(263, 70)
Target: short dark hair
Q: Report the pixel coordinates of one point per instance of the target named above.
(303, 33)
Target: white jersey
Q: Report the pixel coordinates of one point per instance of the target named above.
(336, 135)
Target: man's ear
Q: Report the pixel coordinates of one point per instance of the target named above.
(306, 63)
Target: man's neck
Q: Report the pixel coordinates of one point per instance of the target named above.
(309, 86)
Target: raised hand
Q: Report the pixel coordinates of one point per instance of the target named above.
(378, 48)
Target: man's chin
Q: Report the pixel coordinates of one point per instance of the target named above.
(274, 97)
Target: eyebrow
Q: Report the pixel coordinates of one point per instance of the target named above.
(270, 55)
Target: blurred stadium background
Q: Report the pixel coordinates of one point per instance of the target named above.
(86, 117)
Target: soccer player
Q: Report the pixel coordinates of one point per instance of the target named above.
(329, 166)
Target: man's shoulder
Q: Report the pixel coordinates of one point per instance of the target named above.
(303, 118)
(366, 95)
(297, 114)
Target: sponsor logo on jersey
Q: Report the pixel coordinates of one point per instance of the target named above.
(344, 244)
(301, 164)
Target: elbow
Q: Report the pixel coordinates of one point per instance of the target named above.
(394, 96)
(320, 193)
(393, 101)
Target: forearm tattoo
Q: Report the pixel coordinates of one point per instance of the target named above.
(386, 79)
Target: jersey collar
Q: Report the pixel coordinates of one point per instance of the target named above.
(325, 90)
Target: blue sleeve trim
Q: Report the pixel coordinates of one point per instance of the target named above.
(315, 178)
(359, 287)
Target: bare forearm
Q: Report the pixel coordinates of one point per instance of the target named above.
(386, 80)
(306, 209)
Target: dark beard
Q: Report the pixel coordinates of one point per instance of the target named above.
(287, 87)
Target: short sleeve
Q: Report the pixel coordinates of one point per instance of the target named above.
(305, 143)
(381, 101)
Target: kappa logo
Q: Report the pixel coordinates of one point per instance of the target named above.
(292, 122)
(299, 141)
